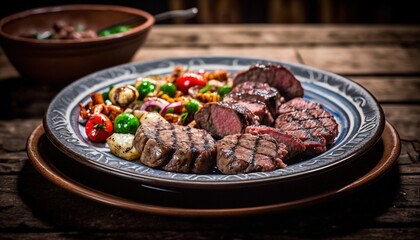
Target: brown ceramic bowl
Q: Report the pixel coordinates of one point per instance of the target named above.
(59, 62)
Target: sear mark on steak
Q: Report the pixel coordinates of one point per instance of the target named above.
(223, 118)
(276, 76)
(259, 109)
(294, 145)
(309, 122)
(257, 92)
(246, 153)
(175, 148)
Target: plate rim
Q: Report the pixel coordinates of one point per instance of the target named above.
(385, 164)
(158, 181)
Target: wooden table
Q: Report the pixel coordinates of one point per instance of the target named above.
(384, 59)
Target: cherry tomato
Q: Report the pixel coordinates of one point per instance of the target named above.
(187, 80)
(99, 128)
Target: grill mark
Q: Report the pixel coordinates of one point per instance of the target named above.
(174, 136)
(157, 135)
(191, 140)
(254, 150)
(231, 154)
(206, 141)
(176, 139)
(254, 147)
(301, 122)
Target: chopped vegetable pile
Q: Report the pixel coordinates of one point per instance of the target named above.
(114, 116)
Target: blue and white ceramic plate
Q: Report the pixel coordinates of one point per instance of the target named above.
(360, 118)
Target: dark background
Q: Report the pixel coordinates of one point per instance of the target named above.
(261, 11)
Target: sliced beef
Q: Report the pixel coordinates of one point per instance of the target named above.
(309, 122)
(276, 76)
(256, 92)
(259, 109)
(223, 118)
(245, 153)
(175, 148)
(294, 145)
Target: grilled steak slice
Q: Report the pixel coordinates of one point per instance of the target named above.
(309, 122)
(259, 109)
(224, 118)
(245, 153)
(175, 148)
(294, 145)
(276, 76)
(256, 92)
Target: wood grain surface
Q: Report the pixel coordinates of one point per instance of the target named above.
(383, 59)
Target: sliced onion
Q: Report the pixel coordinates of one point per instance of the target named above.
(154, 103)
(177, 106)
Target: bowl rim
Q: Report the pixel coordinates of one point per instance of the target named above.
(150, 20)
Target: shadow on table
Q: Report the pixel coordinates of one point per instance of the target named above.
(22, 98)
(65, 211)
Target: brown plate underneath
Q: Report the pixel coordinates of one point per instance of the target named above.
(121, 192)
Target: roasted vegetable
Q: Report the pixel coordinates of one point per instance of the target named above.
(123, 96)
(99, 128)
(168, 89)
(207, 97)
(144, 88)
(224, 90)
(121, 145)
(126, 123)
(187, 80)
(192, 106)
(145, 116)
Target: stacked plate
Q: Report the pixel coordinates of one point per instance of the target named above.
(365, 149)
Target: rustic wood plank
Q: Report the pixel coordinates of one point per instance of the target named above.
(410, 152)
(392, 89)
(278, 34)
(35, 203)
(13, 136)
(283, 53)
(409, 160)
(409, 233)
(405, 119)
(354, 60)
(363, 60)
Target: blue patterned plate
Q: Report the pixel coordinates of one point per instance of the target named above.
(360, 118)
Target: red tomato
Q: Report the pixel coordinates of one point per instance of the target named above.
(99, 128)
(187, 80)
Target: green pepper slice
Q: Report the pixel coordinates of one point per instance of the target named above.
(224, 90)
(145, 88)
(192, 106)
(114, 30)
(169, 89)
(126, 123)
